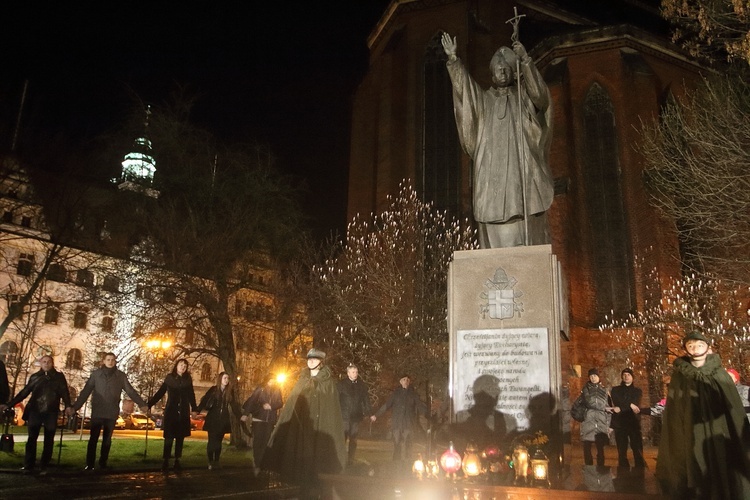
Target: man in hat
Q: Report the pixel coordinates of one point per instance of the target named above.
(406, 408)
(508, 136)
(705, 435)
(626, 401)
(355, 405)
(309, 436)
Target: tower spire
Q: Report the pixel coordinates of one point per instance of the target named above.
(139, 165)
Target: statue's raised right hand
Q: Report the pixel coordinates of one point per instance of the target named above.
(449, 46)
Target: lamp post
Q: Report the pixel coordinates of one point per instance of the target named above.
(157, 347)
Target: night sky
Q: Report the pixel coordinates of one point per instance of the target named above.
(280, 72)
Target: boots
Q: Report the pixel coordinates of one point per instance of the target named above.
(165, 465)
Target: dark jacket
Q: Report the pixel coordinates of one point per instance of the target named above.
(107, 385)
(705, 438)
(4, 386)
(309, 437)
(622, 397)
(406, 406)
(261, 395)
(180, 400)
(46, 389)
(217, 417)
(354, 399)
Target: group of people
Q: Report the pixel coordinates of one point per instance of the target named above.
(322, 413)
(704, 450)
(606, 412)
(48, 388)
(308, 437)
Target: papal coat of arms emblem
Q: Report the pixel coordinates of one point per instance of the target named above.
(499, 300)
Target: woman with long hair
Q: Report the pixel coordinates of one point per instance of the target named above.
(218, 401)
(178, 385)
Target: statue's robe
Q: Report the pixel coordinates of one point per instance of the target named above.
(488, 128)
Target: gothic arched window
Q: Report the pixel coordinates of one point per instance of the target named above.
(611, 265)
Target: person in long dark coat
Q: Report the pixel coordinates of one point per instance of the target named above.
(47, 388)
(406, 408)
(309, 437)
(218, 402)
(178, 386)
(355, 405)
(263, 405)
(705, 440)
(4, 386)
(626, 402)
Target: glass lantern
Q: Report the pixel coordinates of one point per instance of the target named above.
(472, 464)
(521, 463)
(450, 461)
(540, 469)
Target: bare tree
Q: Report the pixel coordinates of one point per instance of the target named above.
(694, 302)
(210, 247)
(711, 27)
(696, 159)
(380, 298)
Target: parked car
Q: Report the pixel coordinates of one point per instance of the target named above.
(139, 421)
(120, 422)
(196, 423)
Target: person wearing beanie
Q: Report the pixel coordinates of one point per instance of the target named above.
(705, 435)
(626, 401)
(309, 436)
(595, 425)
(405, 407)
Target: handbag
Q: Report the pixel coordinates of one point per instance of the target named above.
(578, 410)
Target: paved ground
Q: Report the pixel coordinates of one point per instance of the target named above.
(240, 483)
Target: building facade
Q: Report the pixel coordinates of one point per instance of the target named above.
(75, 292)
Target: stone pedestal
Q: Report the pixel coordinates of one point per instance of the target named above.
(507, 313)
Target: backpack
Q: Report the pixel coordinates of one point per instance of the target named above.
(578, 410)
